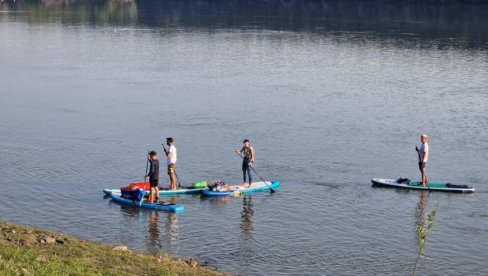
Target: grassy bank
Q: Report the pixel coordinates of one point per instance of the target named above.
(30, 251)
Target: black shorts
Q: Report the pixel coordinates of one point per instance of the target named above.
(421, 166)
(153, 183)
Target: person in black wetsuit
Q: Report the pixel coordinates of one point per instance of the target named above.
(153, 175)
(247, 160)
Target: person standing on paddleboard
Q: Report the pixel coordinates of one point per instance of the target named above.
(423, 154)
(247, 160)
(172, 157)
(153, 175)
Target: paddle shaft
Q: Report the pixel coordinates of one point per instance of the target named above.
(252, 168)
(147, 166)
(177, 178)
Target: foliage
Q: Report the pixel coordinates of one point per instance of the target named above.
(29, 251)
(422, 231)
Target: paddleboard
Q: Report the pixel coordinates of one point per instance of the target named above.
(441, 187)
(116, 196)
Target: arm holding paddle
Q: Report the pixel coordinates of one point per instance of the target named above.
(165, 151)
(424, 153)
(251, 155)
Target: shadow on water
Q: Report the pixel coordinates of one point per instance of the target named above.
(329, 185)
(454, 23)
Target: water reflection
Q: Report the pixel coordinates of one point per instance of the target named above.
(247, 247)
(172, 229)
(462, 20)
(129, 211)
(74, 12)
(157, 239)
(247, 213)
(154, 244)
(421, 207)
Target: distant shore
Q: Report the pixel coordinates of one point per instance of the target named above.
(31, 251)
(413, 19)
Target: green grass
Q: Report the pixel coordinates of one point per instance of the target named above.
(20, 248)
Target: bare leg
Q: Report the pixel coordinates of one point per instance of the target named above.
(151, 195)
(424, 177)
(172, 179)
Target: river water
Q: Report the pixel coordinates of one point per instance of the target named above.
(330, 93)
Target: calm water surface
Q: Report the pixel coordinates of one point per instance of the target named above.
(328, 103)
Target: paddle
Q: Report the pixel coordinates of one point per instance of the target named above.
(270, 189)
(147, 166)
(177, 178)
(145, 182)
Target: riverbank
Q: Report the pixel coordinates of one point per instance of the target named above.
(31, 251)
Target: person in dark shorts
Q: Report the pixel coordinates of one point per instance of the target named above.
(153, 175)
(247, 160)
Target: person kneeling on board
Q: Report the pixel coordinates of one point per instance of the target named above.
(153, 175)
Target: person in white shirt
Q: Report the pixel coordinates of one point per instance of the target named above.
(172, 156)
(423, 154)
